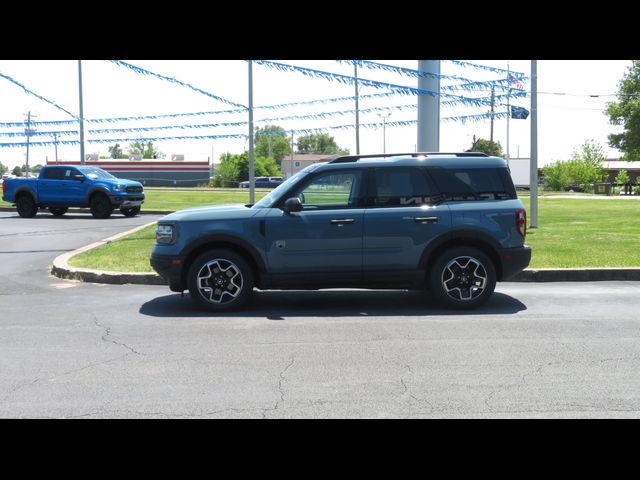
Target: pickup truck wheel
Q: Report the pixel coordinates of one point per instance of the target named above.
(130, 211)
(462, 278)
(101, 206)
(26, 207)
(220, 280)
(58, 211)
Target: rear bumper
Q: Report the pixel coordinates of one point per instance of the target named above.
(514, 260)
(170, 268)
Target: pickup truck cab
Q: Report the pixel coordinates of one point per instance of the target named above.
(59, 187)
(264, 182)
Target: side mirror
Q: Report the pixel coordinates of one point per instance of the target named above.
(292, 204)
(79, 178)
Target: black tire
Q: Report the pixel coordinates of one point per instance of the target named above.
(130, 211)
(58, 211)
(220, 280)
(26, 206)
(462, 278)
(101, 206)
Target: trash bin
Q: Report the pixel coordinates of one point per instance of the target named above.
(602, 188)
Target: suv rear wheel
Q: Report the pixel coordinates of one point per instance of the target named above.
(463, 278)
(220, 280)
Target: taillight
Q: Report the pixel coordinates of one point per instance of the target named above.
(4, 187)
(521, 222)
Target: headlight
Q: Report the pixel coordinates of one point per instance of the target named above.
(165, 234)
(118, 188)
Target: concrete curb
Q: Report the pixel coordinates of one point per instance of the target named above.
(577, 275)
(86, 210)
(62, 269)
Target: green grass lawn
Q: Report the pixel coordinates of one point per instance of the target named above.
(173, 199)
(571, 233)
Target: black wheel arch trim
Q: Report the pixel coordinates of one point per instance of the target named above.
(22, 190)
(475, 238)
(226, 239)
(99, 189)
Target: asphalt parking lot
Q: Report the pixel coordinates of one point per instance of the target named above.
(84, 350)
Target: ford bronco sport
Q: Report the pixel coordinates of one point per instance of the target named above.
(451, 223)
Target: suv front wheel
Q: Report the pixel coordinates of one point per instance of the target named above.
(220, 280)
(463, 278)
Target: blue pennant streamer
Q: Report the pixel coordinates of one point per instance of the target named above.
(50, 102)
(174, 80)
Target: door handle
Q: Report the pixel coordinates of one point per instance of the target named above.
(342, 221)
(426, 219)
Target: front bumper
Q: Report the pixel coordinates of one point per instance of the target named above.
(170, 268)
(514, 260)
(127, 201)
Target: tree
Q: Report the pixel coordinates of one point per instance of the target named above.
(486, 146)
(622, 178)
(274, 145)
(3, 168)
(116, 152)
(16, 172)
(626, 112)
(234, 168)
(321, 143)
(147, 150)
(583, 169)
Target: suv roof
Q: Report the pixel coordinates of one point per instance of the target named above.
(434, 159)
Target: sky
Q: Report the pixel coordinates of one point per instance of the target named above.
(572, 97)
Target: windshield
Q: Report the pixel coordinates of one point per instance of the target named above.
(95, 172)
(269, 199)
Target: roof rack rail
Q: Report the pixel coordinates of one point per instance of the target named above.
(355, 158)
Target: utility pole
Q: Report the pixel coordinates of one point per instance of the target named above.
(291, 152)
(28, 131)
(533, 162)
(252, 193)
(81, 113)
(508, 106)
(355, 67)
(55, 144)
(493, 98)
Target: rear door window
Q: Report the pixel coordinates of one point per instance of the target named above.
(401, 187)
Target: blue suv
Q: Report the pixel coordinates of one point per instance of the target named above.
(450, 223)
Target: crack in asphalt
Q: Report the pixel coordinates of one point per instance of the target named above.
(108, 333)
(280, 389)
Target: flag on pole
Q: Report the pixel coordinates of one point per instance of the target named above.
(519, 113)
(515, 82)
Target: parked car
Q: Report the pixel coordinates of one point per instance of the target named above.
(264, 182)
(451, 223)
(59, 187)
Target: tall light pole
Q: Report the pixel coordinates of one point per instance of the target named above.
(252, 195)
(55, 145)
(384, 117)
(355, 68)
(533, 162)
(28, 131)
(81, 113)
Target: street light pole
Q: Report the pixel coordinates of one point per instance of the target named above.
(384, 130)
(81, 113)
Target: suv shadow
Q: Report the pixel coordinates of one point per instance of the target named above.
(278, 304)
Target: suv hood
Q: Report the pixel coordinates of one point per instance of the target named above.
(218, 212)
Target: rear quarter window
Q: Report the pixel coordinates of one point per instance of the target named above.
(474, 183)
